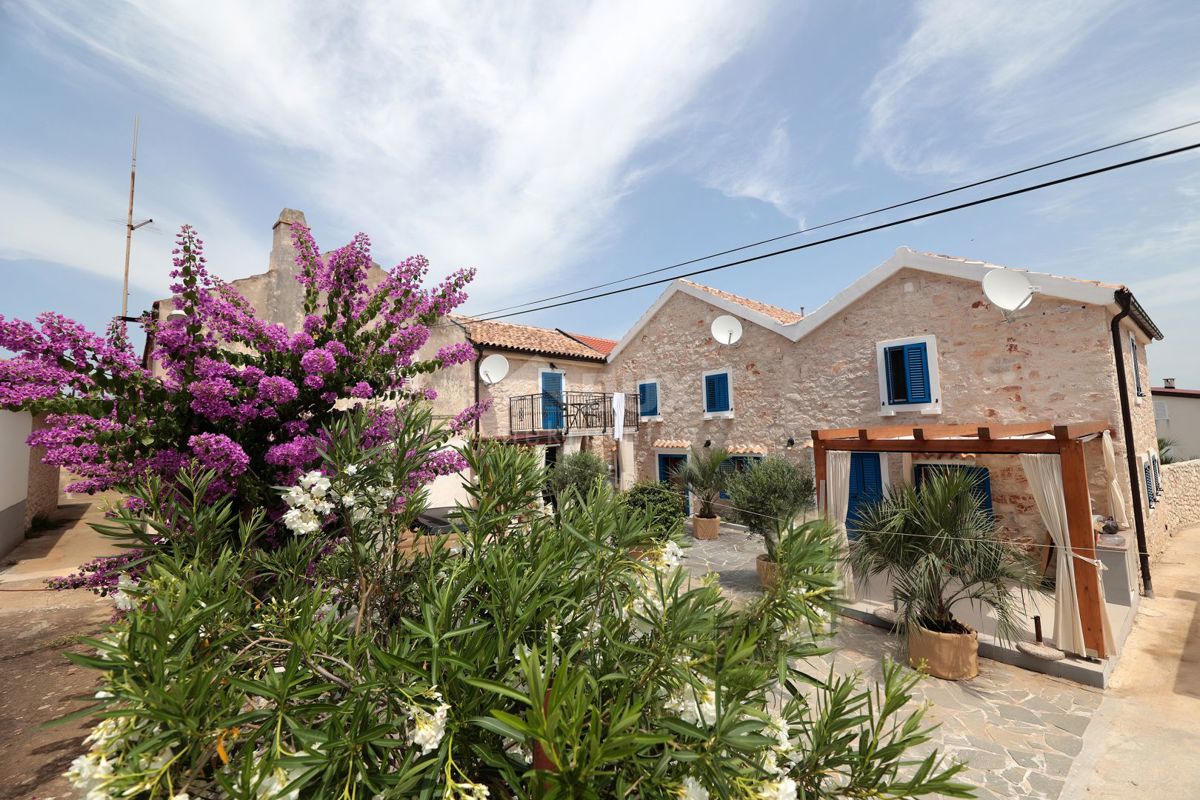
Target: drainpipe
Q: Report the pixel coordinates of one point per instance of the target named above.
(1124, 299)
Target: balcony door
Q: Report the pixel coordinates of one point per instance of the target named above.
(552, 400)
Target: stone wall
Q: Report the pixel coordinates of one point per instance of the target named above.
(1177, 508)
(1053, 363)
(42, 499)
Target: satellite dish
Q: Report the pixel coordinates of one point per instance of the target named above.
(726, 329)
(1008, 290)
(493, 369)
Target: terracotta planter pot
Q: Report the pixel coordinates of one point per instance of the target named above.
(952, 656)
(706, 527)
(768, 570)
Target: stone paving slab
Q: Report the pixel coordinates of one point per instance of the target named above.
(1018, 731)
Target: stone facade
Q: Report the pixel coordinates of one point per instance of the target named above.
(1053, 362)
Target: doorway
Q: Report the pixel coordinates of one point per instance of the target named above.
(668, 465)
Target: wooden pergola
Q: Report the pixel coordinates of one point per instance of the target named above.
(1065, 441)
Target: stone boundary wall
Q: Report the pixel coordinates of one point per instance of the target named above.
(42, 499)
(1179, 506)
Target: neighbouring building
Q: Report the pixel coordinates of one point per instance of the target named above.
(1177, 419)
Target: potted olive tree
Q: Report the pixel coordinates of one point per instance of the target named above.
(939, 546)
(703, 476)
(766, 498)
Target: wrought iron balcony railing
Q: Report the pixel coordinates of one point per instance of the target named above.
(568, 411)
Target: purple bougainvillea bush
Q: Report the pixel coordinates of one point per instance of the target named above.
(230, 392)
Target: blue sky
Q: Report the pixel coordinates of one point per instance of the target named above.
(558, 145)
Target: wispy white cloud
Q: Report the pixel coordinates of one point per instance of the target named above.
(495, 136)
(765, 173)
(953, 84)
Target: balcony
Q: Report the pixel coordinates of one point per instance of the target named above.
(567, 412)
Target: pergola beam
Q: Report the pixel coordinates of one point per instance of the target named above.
(974, 446)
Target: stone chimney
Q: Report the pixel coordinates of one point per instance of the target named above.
(1168, 383)
(283, 253)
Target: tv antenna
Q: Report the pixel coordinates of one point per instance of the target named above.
(129, 226)
(1008, 290)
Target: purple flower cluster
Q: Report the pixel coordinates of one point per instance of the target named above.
(229, 391)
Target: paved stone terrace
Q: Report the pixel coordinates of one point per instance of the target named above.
(1018, 731)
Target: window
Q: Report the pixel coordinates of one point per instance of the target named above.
(648, 399)
(1160, 411)
(718, 398)
(1156, 471)
(737, 464)
(908, 378)
(1137, 372)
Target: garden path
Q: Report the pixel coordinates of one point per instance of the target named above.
(1018, 731)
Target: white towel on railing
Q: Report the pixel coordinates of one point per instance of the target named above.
(618, 407)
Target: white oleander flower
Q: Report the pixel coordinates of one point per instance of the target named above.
(694, 705)
(90, 772)
(692, 789)
(352, 470)
(778, 728)
(784, 789)
(124, 601)
(671, 555)
(272, 786)
(428, 729)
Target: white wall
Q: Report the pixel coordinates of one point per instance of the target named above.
(14, 477)
(14, 457)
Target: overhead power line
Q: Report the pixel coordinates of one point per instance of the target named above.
(892, 207)
(860, 232)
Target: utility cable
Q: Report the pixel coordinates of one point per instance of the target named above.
(851, 218)
(860, 232)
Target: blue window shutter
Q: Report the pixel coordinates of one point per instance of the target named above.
(1137, 373)
(1149, 484)
(716, 392)
(916, 370)
(648, 399)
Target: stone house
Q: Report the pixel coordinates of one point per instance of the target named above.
(1177, 417)
(913, 342)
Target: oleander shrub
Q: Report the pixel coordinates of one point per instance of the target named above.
(534, 658)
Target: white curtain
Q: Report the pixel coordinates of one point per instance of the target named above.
(1044, 473)
(1115, 499)
(837, 505)
(618, 409)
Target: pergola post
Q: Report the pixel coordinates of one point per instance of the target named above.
(819, 472)
(1079, 528)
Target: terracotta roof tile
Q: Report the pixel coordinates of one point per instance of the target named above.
(527, 338)
(600, 345)
(774, 312)
(672, 444)
(747, 449)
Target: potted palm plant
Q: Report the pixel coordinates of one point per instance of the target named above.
(766, 498)
(939, 546)
(705, 479)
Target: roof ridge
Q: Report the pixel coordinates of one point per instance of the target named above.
(782, 315)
